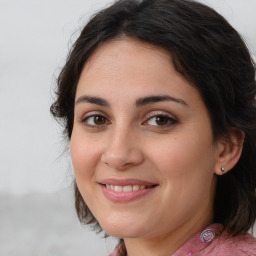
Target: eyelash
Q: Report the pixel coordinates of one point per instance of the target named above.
(93, 116)
(170, 120)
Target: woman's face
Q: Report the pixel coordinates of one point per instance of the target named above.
(142, 145)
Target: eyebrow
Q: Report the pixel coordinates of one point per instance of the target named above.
(139, 102)
(93, 100)
(158, 98)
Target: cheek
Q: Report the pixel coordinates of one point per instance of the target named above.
(84, 156)
(182, 156)
(186, 169)
(185, 163)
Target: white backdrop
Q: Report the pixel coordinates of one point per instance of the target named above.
(34, 40)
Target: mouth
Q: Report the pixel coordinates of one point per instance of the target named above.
(127, 188)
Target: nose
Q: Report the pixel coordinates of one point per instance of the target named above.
(122, 151)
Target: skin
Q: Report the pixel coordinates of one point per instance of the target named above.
(128, 141)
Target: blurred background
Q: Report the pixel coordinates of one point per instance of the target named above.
(36, 201)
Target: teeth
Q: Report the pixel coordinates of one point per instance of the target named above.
(118, 188)
(135, 187)
(128, 188)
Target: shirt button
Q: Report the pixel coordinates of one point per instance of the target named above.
(207, 235)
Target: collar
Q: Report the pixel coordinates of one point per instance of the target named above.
(200, 241)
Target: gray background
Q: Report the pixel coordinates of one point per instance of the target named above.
(36, 211)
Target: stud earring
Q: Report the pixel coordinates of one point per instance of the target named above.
(222, 169)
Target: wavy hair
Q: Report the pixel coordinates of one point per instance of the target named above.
(209, 53)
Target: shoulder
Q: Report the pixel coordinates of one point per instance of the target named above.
(214, 241)
(241, 245)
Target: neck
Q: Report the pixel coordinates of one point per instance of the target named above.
(167, 244)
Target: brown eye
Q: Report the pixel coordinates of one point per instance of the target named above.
(95, 120)
(99, 120)
(161, 120)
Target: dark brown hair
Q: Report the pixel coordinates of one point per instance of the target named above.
(210, 54)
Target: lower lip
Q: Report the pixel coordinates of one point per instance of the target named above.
(122, 197)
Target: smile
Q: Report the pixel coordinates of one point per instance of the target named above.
(127, 188)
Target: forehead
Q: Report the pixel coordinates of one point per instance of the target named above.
(117, 46)
(126, 54)
(132, 67)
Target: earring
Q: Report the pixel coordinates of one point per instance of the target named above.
(222, 169)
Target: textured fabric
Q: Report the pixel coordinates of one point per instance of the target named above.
(221, 245)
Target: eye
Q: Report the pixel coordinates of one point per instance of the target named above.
(95, 120)
(161, 121)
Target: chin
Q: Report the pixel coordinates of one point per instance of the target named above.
(118, 233)
(123, 230)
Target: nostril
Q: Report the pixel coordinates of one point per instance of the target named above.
(121, 157)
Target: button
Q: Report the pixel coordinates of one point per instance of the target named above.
(207, 235)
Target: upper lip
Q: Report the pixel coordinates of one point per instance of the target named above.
(125, 182)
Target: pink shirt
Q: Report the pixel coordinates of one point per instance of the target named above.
(213, 241)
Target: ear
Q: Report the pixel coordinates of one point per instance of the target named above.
(229, 151)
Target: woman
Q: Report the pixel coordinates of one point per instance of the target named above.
(157, 99)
